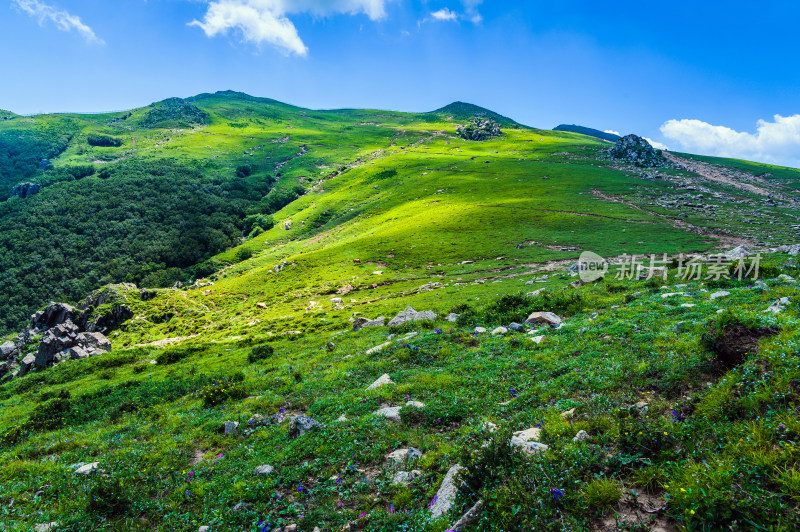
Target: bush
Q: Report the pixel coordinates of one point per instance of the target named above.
(244, 254)
(260, 352)
(244, 170)
(103, 141)
(108, 498)
(602, 494)
(220, 391)
(50, 415)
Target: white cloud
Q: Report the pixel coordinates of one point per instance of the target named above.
(445, 14)
(776, 142)
(266, 21)
(62, 19)
(617, 133)
(656, 145)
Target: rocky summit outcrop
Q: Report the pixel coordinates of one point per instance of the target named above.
(479, 129)
(637, 151)
(24, 190)
(61, 332)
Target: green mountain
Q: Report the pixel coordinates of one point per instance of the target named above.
(271, 254)
(588, 131)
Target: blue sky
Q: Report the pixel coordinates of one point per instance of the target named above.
(716, 77)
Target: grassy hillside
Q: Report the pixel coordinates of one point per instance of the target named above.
(303, 220)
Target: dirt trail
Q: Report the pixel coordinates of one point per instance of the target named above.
(719, 175)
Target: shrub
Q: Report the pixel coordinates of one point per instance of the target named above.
(220, 391)
(244, 170)
(260, 352)
(50, 415)
(244, 254)
(103, 141)
(108, 498)
(170, 356)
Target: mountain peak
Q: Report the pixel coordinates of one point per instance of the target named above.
(464, 111)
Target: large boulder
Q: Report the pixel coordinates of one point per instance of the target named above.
(300, 425)
(7, 350)
(54, 314)
(55, 340)
(637, 151)
(479, 129)
(446, 496)
(543, 318)
(93, 342)
(409, 314)
(362, 322)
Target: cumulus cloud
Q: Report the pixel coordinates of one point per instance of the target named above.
(63, 20)
(266, 21)
(776, 142)
(656, 145)
(617, 133)
(444, 14)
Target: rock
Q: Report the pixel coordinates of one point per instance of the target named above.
(480, 330)
(239, 507)
(109, 320)
(499, 330)
(479, 129)
(406, 477)
(361, 323)
(26, 364)
(336, 301)
(76, 353)
(46, 527)
(531, 434)
(445, 498)
(582, 435)
(389, 412)
(7, 350)
(528, 447)
(489, 426)
(568, 414)
(383, 380)
(543, 317)
(24, 190)
(378, 348)
(516, 327)
(264, 470)
(231, 428)
(341, 418)
(784, 277)
(204, 529)
(778, 306)
(717, 295)
(404, 455)
(409, 314)
(147, 295)
(93, 342)
(738, 253)
(86, 469)
(299, 425)
(415, 404)
(641, 405)
(469, 518)
(637, 151)
(54, 314)
(452, 317)
(537, 339)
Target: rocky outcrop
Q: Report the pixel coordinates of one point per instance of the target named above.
(637, 151)
(25, 190)
(479, 129)
(409, 314)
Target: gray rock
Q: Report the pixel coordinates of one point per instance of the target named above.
(452, 317)
(389, 412)
(406, 477)
(362, 322)
(637, 151)
(737, 253)
(383, 380)
(299, 425)
(54, 314)
(264, 470)
(76, 353)
(446, 496)
(7, 350)
(582, 435)
(499, 330)
(231, 428)
(26, 364)
(404, 455)
(46, 527)
(469, 518)
(528, 447)
(24, 190)
(86, 469)
(93, 341)
(239, 507)
(779, 306)
(204, 529)
(543, 317)
(516, 327)
(480, 330)
(717, 295)
(409, 314)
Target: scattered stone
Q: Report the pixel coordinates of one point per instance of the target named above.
(261, 305)
(415, 404)
(452, 317)
(469, 518)
(516, 327)
(299, 425)
(240, 506)
(717, 295)
(46, 527)
(480, 330)
(405, 477)
(641, 405)
(778, 306)
(341, 418)
(409, 314)
(637, 151)
(531, 434)
(264, 470)
(204, 529)
(446, 496)
(568, 414)
(737, 253)
(86, 469)
(404, 455)
(543, 317)
(383, 380)
(529, 447)
(337, 301)
(378, 348)
(390, 412)
(582, 435)
(672, 294)
(784, 277)
(7, 350)
(479, 129)
(499, 330)
(362, 322)
(537, 339)
(489, 426)
(231, 428)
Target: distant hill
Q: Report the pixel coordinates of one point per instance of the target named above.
(7, 115)
(465, 111)
(588, 131)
